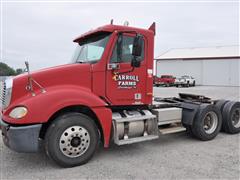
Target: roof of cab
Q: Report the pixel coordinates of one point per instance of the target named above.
(112, 28)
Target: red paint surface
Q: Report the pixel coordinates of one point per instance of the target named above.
(84, 84)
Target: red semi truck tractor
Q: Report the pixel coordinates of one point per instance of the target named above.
(104, 95)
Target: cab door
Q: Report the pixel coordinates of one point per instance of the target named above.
(126, 85)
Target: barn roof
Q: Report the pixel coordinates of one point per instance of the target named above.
(201, 53)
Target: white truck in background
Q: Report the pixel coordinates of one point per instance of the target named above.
(185, 81)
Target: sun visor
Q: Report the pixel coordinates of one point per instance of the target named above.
(90, 34)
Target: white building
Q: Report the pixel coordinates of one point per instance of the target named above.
(218, 66)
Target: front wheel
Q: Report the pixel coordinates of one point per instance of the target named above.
(207, 122)
(71, 139)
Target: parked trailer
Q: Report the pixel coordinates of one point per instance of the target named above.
(105, 93)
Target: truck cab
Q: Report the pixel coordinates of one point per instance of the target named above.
(109, 50)
(104, 94)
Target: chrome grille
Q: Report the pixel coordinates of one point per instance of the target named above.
(2, 93)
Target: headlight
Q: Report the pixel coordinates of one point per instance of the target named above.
(18, 112)
(6, 92)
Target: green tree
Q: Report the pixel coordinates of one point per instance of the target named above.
(5, 70)
(19, 71)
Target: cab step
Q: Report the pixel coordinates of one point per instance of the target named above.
(170, 130)
(137, 139)
(137, 118)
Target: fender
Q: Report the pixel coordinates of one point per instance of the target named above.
(105, 119)
(54, 99)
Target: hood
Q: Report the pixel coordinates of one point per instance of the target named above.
(69, 74)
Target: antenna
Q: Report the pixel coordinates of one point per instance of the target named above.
(29, 85)
(31, 81)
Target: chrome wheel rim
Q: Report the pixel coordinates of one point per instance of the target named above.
(236, 118)
(210, 122)
(74, 141)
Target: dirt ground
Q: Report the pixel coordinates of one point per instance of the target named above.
(175, 156)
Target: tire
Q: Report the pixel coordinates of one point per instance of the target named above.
(193, 83)
(187, 85)
(71, 139)
(231, 117)
(220, 104)
(207, 123)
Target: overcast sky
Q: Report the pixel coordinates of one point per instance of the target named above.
(43, 32)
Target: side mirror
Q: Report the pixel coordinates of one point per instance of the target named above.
(137, 45)
(137, 50)
(119, 48)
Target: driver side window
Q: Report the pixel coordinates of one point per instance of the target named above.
(127, 46)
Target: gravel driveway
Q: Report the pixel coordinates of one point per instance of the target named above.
(175, 156)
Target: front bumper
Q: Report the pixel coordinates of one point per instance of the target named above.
(21, 138)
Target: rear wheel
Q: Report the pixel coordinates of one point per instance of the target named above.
(193, 83)
(71, 139)
(207, 122)
(231, 117)
(220, 104)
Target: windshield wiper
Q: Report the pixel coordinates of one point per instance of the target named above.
(91, 62)
(80, 62)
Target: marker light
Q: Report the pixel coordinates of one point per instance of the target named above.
(18, 112)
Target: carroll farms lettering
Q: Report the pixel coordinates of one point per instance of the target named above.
(126, 81)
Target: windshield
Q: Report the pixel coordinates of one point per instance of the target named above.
(90, 49)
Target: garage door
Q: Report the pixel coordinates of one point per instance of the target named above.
(221, 72)
(179, 68)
